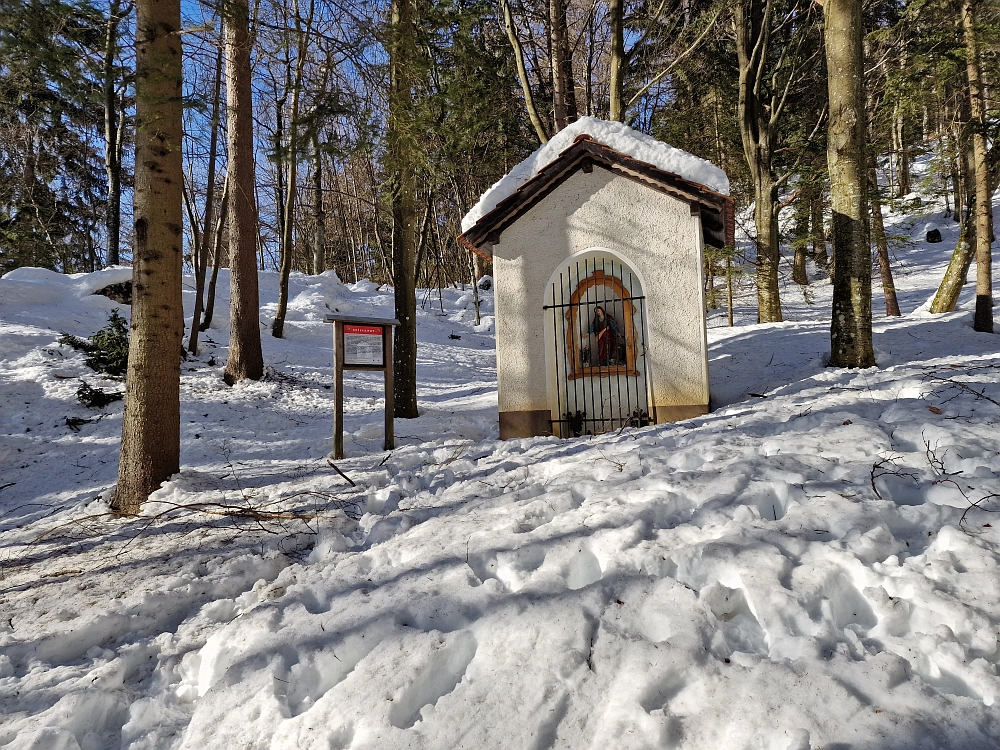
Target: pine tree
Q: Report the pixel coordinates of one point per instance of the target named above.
(150, 450)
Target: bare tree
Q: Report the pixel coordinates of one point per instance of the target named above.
(205, 236)
(150, 450)
(245, 362)
(113, 130)
(771, 59)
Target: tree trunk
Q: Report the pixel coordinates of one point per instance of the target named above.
(817, 229)
(206, 232)
(561, 83)
(881, 245)
(616, 17)
(288, 224)
(802, 206)
(112, 135)
(150, 447)
(765, 216)
(983, 320)
(319, 215)
(851, 325)
(399, 137)
(522, 72)
(216, 256)
(245, 361)
(957, 273)
(752, 21)
(902, 153)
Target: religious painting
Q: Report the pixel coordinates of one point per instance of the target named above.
(600, 335)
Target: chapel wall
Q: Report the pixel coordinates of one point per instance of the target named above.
(655, 234)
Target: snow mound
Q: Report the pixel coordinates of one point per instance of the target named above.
(614, 135)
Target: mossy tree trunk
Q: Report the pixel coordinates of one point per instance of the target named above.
(150, 448)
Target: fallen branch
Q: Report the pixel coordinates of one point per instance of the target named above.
(337, 469)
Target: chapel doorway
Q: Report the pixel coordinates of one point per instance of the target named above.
(598, 346)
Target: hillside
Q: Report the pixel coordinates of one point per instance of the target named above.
(814, 564)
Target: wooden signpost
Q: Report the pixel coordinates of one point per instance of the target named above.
(361, 343)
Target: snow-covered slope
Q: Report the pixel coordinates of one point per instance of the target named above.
(812, 565)
(614, 135)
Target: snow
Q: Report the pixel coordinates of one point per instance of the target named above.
(804, 567)
(614, 135)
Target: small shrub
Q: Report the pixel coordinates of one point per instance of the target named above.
(108, 348)
(95, 398)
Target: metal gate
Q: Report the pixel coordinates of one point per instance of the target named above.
(597, 317)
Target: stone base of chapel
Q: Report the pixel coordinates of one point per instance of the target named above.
(522, 424)
(677, 412)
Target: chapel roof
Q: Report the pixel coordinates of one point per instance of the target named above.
(716, 209)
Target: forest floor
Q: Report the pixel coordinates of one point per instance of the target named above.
(814, 564)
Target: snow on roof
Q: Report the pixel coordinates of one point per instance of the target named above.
(614, 135)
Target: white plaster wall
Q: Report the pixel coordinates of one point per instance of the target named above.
(653, 233)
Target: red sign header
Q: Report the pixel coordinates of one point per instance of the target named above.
(364, 330)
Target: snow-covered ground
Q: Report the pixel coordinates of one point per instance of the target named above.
(805, 567)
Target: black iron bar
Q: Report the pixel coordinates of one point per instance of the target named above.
(582, 304)
(618, 377)
(630, 347)
(564, 342)
(600, 379)
(645, 369)
(555, 333)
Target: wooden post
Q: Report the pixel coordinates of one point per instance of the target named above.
(390, 400)
(338, 410)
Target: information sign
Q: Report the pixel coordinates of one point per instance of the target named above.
(363, 345)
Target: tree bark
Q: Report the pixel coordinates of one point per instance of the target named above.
(522, 72)
(291, 187)
(150, 447)
(817, 229)
(802, 206)
(616, 18)
(957, 273)
(563, 98)
(216, 256)
(752, 21)
(400, 137)
(881, 245)
(851, 325)
(209, 221)
(319, 214)
(983, 319)
(245, 361)
(112, 135)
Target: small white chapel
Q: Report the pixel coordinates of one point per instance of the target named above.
(597, 242)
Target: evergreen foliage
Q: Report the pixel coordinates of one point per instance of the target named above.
(51, 170)
(107, 349)
(96, 398)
